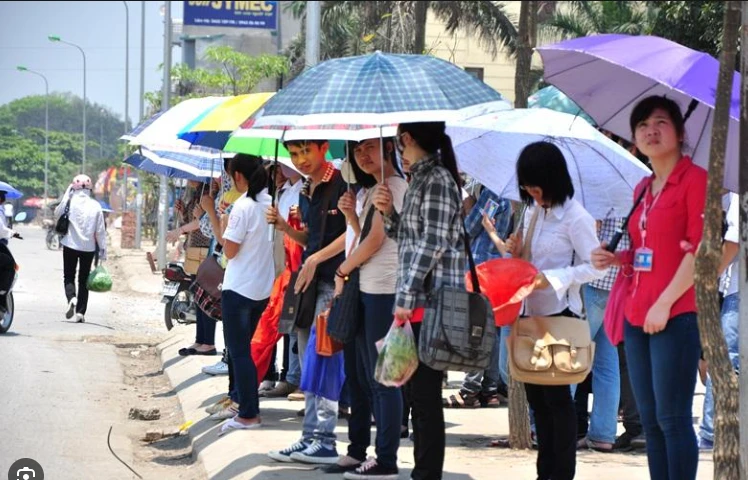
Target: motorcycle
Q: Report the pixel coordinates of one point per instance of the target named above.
(178, 297)
(7, 314)
(53, 238)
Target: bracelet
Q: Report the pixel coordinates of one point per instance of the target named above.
(340, 274)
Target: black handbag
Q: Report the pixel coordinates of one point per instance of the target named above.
(63, 223)
(299, 308)
(345, 315)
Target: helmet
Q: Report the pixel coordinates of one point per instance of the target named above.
(82, 182)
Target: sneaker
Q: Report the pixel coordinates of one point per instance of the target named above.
(219, 405)
(71, 308)
(229, 412)
(317, 454)
(220, 368)
(285, 455)
(371, 469)
(80, 318)
(625, 443)
(265, 386)
(297, 396)
(282, 389)
(705, 444)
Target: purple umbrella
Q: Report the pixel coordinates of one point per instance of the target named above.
(608, 74)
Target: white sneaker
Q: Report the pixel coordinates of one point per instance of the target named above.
(71, 308)
(266, 385)
(80, 318)
(220, 368)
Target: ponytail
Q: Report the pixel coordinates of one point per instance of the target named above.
(432, 137)
(449, 161)
(250, 167)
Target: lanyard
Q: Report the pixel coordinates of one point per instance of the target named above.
(645, 213)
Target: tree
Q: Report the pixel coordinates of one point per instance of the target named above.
(581, 19)
(697, 25)
(724, 379)
(356, 27)
(229, 72)
(519, 422)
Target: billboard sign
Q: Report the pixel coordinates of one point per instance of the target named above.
(235, 14)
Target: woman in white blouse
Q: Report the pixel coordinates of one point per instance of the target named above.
(560, 244)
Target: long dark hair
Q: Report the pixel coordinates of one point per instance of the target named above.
(432, 137)
(363, 178)
(250, 167)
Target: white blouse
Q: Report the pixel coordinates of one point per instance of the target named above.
(562, 244)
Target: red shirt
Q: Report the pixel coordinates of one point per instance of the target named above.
(674, 225)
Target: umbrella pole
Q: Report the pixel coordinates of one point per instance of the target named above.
(274, 192)
(381, 151)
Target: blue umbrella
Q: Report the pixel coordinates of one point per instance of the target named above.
(379, 89)
(105, 207)
(141, 162)
(11, 193)
(554, 99)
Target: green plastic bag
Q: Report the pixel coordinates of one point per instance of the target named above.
(99, 280)
(398, 357)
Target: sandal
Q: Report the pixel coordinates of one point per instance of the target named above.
(602, 447)
(233, 424)
(461, 400)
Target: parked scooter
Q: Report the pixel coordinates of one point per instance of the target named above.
(7, 311)
(178, 298)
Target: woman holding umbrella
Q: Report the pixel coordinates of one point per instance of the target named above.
(431, 253)
(661, 334)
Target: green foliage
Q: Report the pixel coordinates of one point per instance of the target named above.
(229, 73)
(22, 141)
(695, 24)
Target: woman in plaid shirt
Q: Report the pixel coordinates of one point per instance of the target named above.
(431, 254)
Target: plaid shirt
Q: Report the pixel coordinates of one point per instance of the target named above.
(605, 234)
(429, 234)
(481, 244)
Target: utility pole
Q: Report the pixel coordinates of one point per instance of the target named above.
(313, 25)
(127, 99)
(139, 196)
(163, 198)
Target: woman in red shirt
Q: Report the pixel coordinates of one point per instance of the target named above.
(661, 335)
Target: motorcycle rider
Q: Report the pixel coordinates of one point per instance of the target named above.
(5, 231)
(86, 235)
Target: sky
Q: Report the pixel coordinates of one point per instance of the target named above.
(98, 27)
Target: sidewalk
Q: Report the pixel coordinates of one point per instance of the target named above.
(242, 454)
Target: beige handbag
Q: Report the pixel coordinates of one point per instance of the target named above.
(549, 350)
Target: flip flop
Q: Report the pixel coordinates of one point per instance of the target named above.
(233, 424)
(458, 401)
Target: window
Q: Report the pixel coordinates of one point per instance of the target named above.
(476, 72)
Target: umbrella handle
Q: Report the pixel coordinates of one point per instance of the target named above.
(611, 247)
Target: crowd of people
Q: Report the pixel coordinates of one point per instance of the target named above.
(397, 221)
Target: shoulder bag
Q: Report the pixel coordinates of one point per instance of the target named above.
(299, 308)
(549, 350)
(345, 316)
(63, 223)
(458, 330)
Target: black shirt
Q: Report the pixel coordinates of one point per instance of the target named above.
(312, 215)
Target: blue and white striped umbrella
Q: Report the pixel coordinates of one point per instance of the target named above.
(177, 164)
(379, 89)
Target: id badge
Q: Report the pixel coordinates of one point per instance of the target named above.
(643, 259)
(490, 208)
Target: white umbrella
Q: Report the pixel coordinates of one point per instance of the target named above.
(604, 173)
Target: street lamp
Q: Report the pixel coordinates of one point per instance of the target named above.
(21, 68)
(55, 38)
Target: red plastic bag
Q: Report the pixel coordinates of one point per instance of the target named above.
(506, 282)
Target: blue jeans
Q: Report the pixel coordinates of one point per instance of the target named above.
(606, 378)
(730, 327)
(485, 381)
(663, 369)
(294, 365)
(367, 395)
(240, 317)
(320, 413)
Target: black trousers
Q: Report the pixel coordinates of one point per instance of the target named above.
(424, 391)
(556, 430)
(81, 261)
(631, 421)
